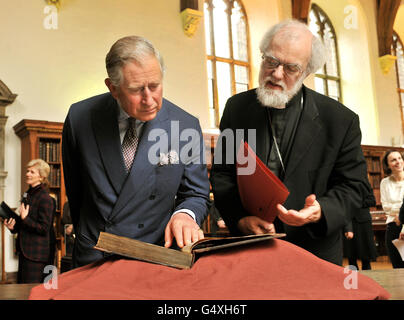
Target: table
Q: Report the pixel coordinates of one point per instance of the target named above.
(16, 291)
(391, 279)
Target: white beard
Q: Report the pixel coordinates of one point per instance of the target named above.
(274, 98)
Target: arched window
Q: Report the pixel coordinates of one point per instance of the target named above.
(397, 49)
(327, 79)
(227, 50)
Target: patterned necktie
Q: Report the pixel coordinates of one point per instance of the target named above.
(129, 144)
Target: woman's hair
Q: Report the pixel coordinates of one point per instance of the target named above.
(43, 169)
(131, 48)
(385, 162)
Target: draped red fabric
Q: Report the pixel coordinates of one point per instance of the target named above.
(274, 269)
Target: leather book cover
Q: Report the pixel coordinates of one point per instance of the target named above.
(259, 188)
(180, 259)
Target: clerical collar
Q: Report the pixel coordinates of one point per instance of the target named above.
(296, 100)
(283, 124)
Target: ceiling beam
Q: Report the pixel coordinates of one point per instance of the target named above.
(300, 10)
(386, 15)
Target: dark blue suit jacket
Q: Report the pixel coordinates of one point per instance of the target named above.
(103, 197)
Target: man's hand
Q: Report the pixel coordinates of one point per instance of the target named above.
(254, 225)
(349, 235)
(401, 236)
(310, 213)
(184, 229)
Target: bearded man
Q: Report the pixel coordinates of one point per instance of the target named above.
(311, 142)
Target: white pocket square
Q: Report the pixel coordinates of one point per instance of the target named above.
(168, 158)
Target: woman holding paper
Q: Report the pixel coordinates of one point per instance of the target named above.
(391, 194)
(34, 227)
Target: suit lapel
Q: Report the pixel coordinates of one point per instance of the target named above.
(106, 131)
(308, 129)
(142, 168)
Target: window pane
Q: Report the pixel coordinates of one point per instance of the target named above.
(225, 78)
(400, 64)
(319, 85)
(241, 87)
(221, 29)
(207, 29)
(329, 42)
(212, 115)
(314, 24)
(239, 33)
(223, 84)
(241, 74)
(210, 84)
(333, 89)
(321, 25)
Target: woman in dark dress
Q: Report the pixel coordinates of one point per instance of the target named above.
(359, 238)
(33, 227)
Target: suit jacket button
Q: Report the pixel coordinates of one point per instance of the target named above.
(108, 223)
(152, 197)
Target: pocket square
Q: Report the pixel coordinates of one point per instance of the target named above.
(168, 158)
(173, 157)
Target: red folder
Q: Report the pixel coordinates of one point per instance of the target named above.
(259, 188)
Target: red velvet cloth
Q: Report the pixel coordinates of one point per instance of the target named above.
(274, 269)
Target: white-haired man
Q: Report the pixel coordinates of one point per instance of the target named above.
(310, 141)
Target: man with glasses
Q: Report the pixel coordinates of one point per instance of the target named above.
(311, 142)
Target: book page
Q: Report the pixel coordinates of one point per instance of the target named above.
(399, 244)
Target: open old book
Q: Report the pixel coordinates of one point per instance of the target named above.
(182, 259)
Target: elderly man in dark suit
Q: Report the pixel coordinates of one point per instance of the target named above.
(310, 141)
(133, 161)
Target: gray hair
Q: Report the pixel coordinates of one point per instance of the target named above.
(318, 50)
(131, 48)
(43, 169)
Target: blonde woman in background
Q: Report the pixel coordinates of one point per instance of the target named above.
(391, 194)
(36, 213)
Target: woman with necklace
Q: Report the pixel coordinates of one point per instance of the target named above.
(34, 226)
(391, 194)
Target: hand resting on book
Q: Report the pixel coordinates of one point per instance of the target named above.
(184, 229)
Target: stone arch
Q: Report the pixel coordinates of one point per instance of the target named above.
(6, 96)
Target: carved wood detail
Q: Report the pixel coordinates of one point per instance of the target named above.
(300, 10)
(386, 14)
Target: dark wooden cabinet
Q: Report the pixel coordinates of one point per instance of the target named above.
(43, 139)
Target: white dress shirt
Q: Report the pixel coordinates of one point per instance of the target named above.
(391, 196)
